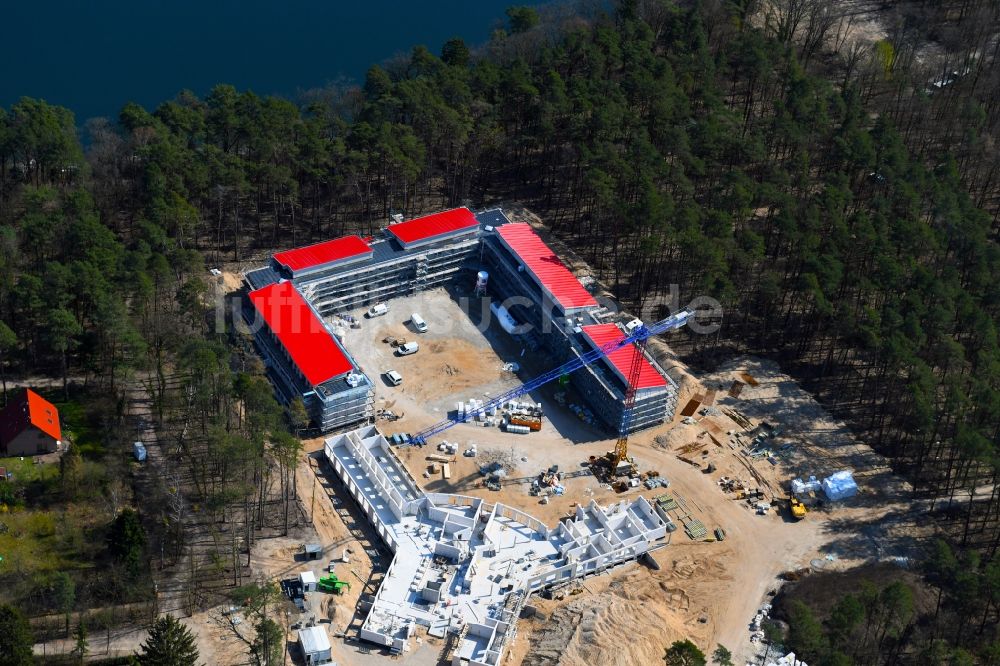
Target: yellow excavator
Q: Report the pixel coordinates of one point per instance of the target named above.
(796, 507)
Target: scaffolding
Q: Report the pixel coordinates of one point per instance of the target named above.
(601, 388)
(334, 403)
(393, 270)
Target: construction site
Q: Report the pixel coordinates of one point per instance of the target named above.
(508, 474)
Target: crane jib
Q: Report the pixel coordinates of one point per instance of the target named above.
(640, 334)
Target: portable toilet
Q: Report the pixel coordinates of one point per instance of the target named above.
(139, 451)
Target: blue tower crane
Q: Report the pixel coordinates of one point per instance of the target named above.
(639, 336)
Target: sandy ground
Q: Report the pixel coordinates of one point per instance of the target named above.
(706, 591)
(335, 527)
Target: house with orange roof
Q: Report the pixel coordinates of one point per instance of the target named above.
(29, 426)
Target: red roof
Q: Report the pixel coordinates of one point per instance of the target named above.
(547, 268)
(621, 358)
(327, 252)
(29, 408)
(431, 226)
(308, 343)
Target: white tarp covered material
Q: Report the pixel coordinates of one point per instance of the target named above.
(788, 660)
(314, 640)
(507, 322)
(840, 486)
(800, 487)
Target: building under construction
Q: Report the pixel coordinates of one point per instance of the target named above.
(350, 272)
(304, 359)
(463, 567)
(536, 299)
(555, 311)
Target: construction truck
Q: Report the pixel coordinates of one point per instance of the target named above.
(796, 507)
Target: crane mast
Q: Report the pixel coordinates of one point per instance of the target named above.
(620, 454)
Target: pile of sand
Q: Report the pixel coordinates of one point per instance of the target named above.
(633, 617)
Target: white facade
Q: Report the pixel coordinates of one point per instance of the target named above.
(464, 565)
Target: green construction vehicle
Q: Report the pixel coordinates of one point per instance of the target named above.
(332, 584)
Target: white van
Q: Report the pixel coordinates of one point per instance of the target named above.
(377, 310)
(407, 349)
(418, 323)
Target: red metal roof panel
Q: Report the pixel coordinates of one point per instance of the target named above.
(29, 408)
(308, 343)
(548, 269)
(327, 252)
(44, 415)
(431, 226)
(621, 358)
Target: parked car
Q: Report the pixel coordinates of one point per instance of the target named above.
(418, 323)
(377, 310)
(394, 377)
(333, 565)
(407, 349)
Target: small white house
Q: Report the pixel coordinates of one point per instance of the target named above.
(315, 645)
(308, 581)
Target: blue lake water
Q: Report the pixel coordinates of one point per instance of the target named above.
(94, 56)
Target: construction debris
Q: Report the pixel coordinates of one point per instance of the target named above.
(548, 482)
(493, 460)
(788, 660)
(738, 417)
(388, 415)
